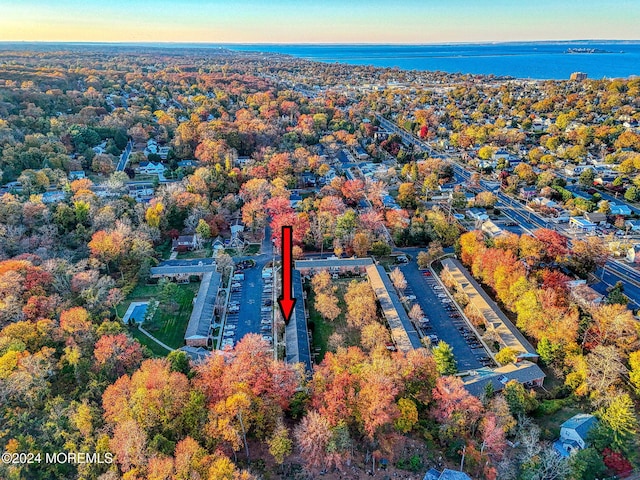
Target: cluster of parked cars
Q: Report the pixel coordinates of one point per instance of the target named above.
(266, 308)
(456, 319)
(233, 309)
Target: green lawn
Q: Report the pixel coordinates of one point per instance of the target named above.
(252, 249)
(169, 327)
(203, 253)
(156, 349)
(324, 328)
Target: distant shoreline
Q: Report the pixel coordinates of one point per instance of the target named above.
(544, 60)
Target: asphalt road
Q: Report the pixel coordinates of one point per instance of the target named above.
(442, 324)
(122, 164)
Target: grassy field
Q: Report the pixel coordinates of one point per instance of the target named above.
(156, 349)
(169, 327)
(202, 253)
(324, 328)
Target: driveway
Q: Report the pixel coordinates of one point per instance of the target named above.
(441, 323)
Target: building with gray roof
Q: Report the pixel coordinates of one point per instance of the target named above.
(527, 373)
(296, 332)
(198, 329)
(487, 309)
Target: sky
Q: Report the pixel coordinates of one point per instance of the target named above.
(327, 21)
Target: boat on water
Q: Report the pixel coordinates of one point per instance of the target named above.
(586, 50)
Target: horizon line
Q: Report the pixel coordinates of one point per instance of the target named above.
(200, 42)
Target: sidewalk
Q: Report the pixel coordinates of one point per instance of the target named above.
(155, 339)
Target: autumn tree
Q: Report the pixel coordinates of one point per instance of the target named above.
(117, 355)
(361, 304)
(312, 435)
(327, 305)
(454, 408)
(397, 277)
(361, 244)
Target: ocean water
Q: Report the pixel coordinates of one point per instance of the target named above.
(540, 60)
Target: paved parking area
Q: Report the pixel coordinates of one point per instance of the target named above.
(250, 308)
(445, 322)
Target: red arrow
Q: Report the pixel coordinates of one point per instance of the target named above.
(286, 300)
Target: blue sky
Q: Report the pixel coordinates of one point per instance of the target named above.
(328, 21)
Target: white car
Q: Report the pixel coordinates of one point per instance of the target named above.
(410, 297)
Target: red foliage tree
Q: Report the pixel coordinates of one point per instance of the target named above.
(117, 354)
(617, 463)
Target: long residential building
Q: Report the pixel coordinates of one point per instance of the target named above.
(402, 330)
(494, 318)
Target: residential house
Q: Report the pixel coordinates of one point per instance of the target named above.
(141, 191)
(501, 155)
(528, 193)
(478, 214)
(574, 433)
(617, 209)
(582, 224)
(186, 242)
(525, 372)
(151, 168)
(595, 217)
(100, 149)
(163, 152)
(308, 179)
(360, 153)
(295, 199)
(54, 196)
(491, 229)
(152, 147)
(583, 294)
(188, 163)
(77, 175)
(633, 225)
(446, 474)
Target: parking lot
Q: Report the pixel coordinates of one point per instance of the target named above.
(250, 308)
(443, 321)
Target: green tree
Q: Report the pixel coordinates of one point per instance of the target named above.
(632, 194)
(587, 464)
(445, 360)
(408, 415)
(458, 200)
(519, 400)
(203, 229)
(380, 249)
(179, 361)
(616, 294)
(280, 444)
(548, 350)
(586, 178)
